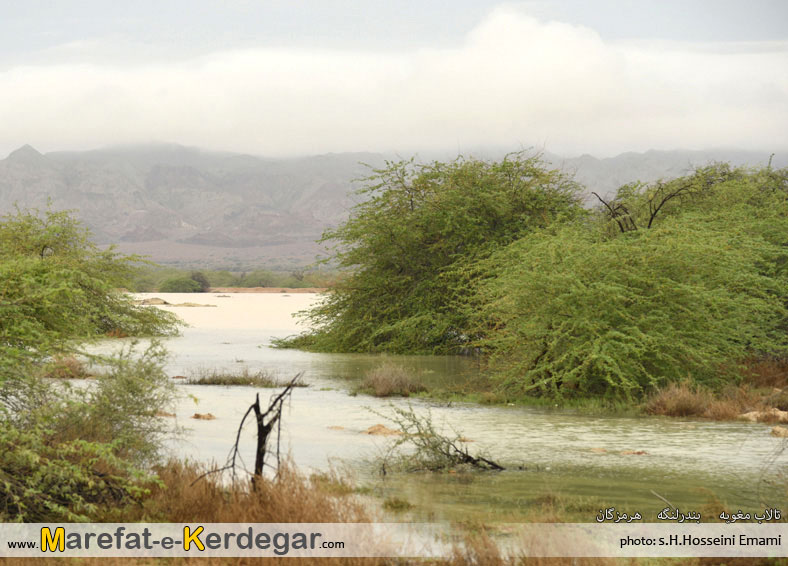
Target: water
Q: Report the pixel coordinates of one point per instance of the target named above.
(595, 460)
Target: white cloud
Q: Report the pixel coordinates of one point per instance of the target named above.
(515, 80)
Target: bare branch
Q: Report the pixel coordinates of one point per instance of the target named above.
(265, 424)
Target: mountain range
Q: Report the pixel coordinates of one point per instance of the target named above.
(190, 207)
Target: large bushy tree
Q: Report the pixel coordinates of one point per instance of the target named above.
(408, 243)
(57, 288)
(676, 280)
(71, 454)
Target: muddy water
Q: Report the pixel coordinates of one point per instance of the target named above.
(584, 461)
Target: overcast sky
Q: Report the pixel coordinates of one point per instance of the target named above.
(286, 77)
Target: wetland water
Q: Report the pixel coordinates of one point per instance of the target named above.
(592, 461)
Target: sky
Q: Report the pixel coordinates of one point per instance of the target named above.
(294, 77)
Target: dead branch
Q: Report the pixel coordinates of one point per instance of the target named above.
(661, 196)
(266, 421)
(620, 214)
(433, 451)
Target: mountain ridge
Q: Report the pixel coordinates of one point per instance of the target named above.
(221, 209)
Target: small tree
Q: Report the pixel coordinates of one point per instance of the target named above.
(180, 285)
(57, 287)
(200, 278)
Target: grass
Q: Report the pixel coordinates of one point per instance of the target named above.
(245, 377)
(690, 400)
(397, 504)
(389, 380)
(332, 483)
(290, 498)
(179, 497)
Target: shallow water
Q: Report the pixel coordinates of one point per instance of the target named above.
(546, 451)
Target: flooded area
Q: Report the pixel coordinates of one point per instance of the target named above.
(602, 461)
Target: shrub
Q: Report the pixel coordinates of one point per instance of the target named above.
(679, 400)
(429, 449)
(120, 410)
(390, 379)
(201, 280)
(74, 454)
(45, 479)
(685, 399)
(180, 285)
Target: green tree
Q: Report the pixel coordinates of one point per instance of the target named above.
(201, 279)
(180, 285)
(689, 292)
(406, 243)
(57, 288)
(71, 453)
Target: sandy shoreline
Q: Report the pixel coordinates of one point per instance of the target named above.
(267, 290)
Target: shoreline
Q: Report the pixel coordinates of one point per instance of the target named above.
(267, 290)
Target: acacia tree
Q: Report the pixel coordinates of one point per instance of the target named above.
(406, 247)
(71, 454)
(585, 310)
(57, 288)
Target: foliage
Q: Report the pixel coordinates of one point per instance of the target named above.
(689, 292)
(45, 480)
(151, 278)
(405, 243)
(56, 287)
(180, 285)
(70, 453)
(202, 280)
(121, 407)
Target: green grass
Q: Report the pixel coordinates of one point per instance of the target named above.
(244, 377)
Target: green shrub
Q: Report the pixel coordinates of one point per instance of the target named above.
(46, 480)
(180, 285)
(77, 453)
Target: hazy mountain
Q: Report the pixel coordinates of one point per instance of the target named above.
(188, 206)
(605, 175)
(175, 203)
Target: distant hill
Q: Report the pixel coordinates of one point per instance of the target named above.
(605, 175)
(191, 207)
(178, 204)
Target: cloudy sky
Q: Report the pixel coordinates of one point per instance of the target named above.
(287, 77)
